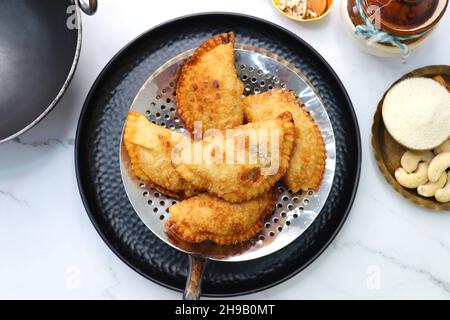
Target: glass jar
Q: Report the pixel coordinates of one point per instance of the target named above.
(392, 27)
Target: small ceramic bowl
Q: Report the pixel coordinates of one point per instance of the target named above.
(388, 152)
(327, 11)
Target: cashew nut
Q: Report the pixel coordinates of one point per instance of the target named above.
(429, 189)
(443, 195)
(438, 165)
(410, 159)
(445, 147)
(415, 179)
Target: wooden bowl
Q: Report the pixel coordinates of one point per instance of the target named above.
(327, 11)
(388, 152)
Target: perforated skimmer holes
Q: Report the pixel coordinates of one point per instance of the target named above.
(158, 203)
(289, 207)
(257, 80)
(162, 111)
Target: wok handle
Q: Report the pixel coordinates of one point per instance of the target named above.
(88, 6)
(194, 280)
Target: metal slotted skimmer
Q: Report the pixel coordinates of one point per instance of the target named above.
(294, 212)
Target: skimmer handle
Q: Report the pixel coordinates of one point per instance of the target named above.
(194, 280)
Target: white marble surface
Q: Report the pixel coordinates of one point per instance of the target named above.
(388, 248)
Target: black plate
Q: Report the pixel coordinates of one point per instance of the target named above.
(97, 155)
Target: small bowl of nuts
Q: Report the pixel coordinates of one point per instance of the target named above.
(304, 10)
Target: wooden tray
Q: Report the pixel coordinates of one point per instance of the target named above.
(388, 152)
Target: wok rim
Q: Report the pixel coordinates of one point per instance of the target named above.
(64, 87)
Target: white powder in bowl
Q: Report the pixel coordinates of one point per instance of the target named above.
(416, 113)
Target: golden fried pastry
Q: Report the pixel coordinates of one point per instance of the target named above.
(239, 164)
(209, 89)
(150, 148)
(308, 160)
(206, 217)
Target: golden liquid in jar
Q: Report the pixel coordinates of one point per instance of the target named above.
(405, 13)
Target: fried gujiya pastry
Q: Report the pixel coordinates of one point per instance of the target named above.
(150, 148)
(209, 89)
(239, 164)
(207, 217)
(308, 160)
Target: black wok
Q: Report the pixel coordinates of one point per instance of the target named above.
(40, 42)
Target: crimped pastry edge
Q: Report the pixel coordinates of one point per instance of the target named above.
(171, 227)
(131, 148)
(299, 184)
(288, 138)
(208, 45)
